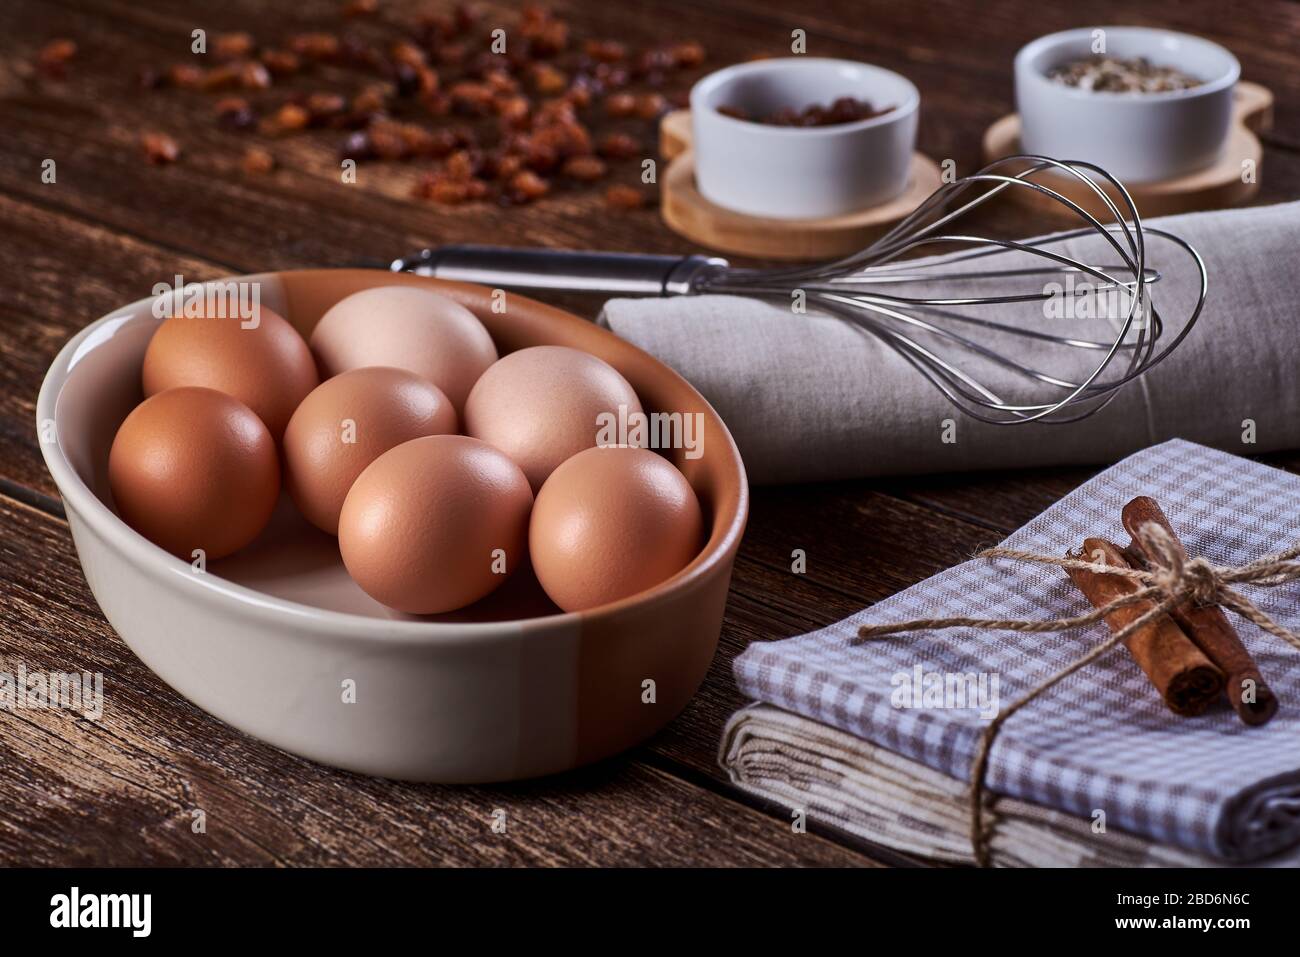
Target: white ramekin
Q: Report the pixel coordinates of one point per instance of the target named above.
(1136, 137)
(802, 172)
(279, 642)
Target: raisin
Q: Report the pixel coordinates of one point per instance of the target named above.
(360, 8)
(549, 80)
(254, 76)
(585, 169)
(624, 197)
(471, 99)
(387, 141)
(281, 62)
(403, 51)
(235, 113)
(291, 116)
(580, 93)
(373, 99)
(53, 58)
(357, 146)
(325, 106)
(501, 166)
(526, 186)
(514, 111)
(315, 46)
(618, 105)
(159, 148)
(463, 164)
(185, 76)
(258, 161)
(232, 46)
(605, 51)
(224, 77)
(449, 192)
(651, 106)
(618, 146)
(687, 55)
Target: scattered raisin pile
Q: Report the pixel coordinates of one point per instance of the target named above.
(553, 111)
(846, 109)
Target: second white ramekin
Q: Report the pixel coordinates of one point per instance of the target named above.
(1136, 137)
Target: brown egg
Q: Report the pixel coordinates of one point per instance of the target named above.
(408, 328)
(345, 424)
(263, 363)
(435, 524)
(542, 405)
(612, 522)
(194, 468)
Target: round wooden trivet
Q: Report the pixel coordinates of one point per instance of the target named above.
(1210, 188)
(687, 212)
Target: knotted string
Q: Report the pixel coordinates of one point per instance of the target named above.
(1171, 580)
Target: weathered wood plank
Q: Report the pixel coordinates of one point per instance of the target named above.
(113, 225)
(124, 789)
(59, 275)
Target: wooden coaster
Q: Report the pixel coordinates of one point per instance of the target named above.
(1210, 188)
(687, 212)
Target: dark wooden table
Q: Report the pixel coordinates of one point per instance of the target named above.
(122, 790)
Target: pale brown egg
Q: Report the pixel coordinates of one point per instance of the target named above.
(408, 328)
(345, 424)
(544, 404)
(194, 468)
(262, 362)
(435, 524)
(612, 522)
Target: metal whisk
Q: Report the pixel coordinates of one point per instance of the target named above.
(934, 328)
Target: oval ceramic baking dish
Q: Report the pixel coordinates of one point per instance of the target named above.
(279, 642)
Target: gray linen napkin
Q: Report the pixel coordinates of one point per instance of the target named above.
(856, 786)
(1101, 740)
(809, 397)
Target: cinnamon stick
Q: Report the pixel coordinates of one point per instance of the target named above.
(1186, 679)
(1209, 627)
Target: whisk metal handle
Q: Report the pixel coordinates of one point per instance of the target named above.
(615, 274)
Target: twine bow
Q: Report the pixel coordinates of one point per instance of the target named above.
(1172, 580)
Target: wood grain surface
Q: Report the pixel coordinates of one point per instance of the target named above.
(124, 790)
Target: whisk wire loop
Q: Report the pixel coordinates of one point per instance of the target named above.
(923, 327)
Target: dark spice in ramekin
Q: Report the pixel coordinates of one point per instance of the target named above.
(846, 109)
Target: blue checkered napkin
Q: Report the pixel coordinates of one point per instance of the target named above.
(1102, 739)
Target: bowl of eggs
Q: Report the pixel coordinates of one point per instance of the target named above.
(405, 527)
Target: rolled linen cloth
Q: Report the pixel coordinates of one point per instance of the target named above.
(810, 397)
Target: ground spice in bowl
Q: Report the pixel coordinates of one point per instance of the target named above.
(1108, 74)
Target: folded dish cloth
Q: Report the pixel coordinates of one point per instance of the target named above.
(809, 397)
(870, 791)
(1101, 740)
